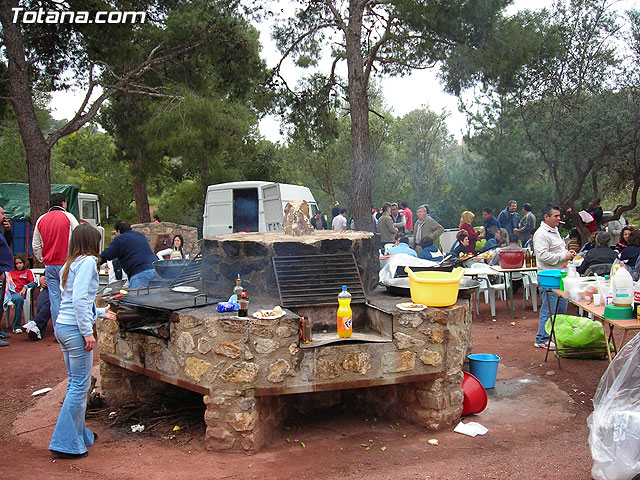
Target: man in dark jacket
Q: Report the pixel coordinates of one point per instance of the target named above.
(601, 254)
(134, 253)
(509, 218)
(489, 221)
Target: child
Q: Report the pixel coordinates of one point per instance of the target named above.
(74, 332)
(18, 281)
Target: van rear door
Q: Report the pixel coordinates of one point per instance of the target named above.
(273, 209)
(218, 212)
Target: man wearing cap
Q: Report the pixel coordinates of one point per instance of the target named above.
(551, 253)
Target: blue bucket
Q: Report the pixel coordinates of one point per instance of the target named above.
(484, 366)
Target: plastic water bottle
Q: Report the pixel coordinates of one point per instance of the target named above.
(345, 316)
(622, 288)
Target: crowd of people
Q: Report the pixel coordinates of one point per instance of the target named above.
(394, 224)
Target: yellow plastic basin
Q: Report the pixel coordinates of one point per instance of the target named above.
(435, 289)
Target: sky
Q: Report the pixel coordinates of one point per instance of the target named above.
(402, 94)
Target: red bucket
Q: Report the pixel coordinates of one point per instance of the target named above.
(511, 258)
(475, 396)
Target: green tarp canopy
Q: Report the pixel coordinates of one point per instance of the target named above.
(14, 197)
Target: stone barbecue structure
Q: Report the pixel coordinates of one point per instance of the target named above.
(251, 371)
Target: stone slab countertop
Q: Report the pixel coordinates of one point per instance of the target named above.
(273, 237)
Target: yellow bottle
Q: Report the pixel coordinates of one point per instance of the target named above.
(345, 322)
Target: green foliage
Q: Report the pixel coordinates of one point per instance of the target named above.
(87, 159)
(568, 115)
(183, 204)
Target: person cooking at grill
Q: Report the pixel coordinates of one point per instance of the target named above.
(134, 253)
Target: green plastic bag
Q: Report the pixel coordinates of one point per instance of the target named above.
(578, 332)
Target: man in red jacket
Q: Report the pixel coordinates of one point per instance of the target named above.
(50, 244)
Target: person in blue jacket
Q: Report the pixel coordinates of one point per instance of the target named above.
(6, 265)
(134, 253)
(402, 246)
(74, 332)
(430, 251)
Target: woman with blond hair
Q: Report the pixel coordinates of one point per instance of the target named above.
(466, 219)
(74, 332)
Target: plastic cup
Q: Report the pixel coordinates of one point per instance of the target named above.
(597, 299)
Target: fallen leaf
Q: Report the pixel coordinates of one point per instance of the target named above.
(176, 428)
(368, 448)
(404, 435)
(391, 426)
(434, 441)
(287, 428)
(288, 440)
(370, 441)
(364, 445)
(375, 419)
(383, 449)
(513, 324)
(303, 445)
(397, 424)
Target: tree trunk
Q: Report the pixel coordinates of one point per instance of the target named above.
(140, 192)
(38, 152)
(360, 137)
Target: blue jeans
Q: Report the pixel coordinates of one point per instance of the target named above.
(547, 310)
(18, 303)
(71, 435)
(143, 279)
(52, 273)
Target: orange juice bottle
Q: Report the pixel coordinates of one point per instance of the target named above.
(345, 324)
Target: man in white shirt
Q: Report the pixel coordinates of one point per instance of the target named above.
(339, 222)
(551, 253)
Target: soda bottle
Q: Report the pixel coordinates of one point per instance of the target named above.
(237, 290)
(345, 323)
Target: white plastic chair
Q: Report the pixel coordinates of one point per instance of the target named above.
(530, 284)
(489, 288)
(26, 310)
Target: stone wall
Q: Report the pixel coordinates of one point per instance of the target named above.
(155, 230)
(248, 368)
(250, 255)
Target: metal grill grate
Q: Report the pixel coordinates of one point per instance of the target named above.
(190, 273)
(309, 280)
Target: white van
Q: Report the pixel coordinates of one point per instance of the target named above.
(250, 206)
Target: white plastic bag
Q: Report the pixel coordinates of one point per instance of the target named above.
(614, 437)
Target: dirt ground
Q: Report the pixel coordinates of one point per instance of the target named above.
(536, 419)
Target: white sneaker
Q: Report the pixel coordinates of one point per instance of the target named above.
(34, 332)
(17, 331)
(550, 345)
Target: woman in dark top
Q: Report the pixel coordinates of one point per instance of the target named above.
(630, 254)
(462, 244)
(600, 254)
(623, 241)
